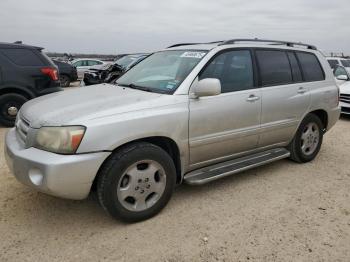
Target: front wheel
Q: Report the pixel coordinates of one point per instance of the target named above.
(308, 139)
(136, 182)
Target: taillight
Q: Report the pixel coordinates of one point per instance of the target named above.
(51, 72)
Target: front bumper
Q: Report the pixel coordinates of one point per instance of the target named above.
(345, 108)
(66, 176)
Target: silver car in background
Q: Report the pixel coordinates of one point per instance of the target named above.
(189, 113)
(83, 65)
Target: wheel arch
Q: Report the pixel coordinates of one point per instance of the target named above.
(323, 116)
(16, 90)
(65, 74)
(166, 143)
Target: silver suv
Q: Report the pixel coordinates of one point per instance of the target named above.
(191, 113)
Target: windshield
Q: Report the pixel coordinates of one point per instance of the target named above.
(346, 63)
(162, 72)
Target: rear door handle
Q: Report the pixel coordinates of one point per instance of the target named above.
(302, 90)
(253, 98)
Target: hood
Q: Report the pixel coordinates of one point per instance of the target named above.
(345, 88)
(85, 103)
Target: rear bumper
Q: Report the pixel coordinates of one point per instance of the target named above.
(66, 176)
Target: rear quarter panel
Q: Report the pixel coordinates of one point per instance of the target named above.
(325, 94)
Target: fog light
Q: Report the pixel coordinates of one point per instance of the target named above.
(36, 177)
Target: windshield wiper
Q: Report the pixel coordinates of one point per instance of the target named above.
(144, 88)
(133, 86)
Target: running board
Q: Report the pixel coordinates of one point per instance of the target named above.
(210, 173)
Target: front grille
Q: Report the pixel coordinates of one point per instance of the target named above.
(345, 98)
(22, 127)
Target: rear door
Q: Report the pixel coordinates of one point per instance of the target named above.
(225, 125)
(285, 97)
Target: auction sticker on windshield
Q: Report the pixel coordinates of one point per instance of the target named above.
(198, 55)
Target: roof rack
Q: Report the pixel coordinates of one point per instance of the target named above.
(184, 44)
(277, 42)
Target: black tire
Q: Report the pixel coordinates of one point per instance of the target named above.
(8, 102)
(295, 146)
(64, 80)
(111, 174)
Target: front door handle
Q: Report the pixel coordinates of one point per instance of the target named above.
(302, 90)
(253, 98)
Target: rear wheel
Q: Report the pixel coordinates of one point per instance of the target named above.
(9, 107)
(308, 139)
(65, 81)
(136, 182)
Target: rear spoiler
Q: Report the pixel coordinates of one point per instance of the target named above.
(20, 43)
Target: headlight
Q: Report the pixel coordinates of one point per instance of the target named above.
(61, 140)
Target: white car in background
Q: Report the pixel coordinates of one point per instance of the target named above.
(339, 61)
(83, 65)
(342, 76)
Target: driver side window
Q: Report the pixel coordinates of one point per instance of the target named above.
(234, 69)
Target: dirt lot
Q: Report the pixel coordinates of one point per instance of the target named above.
(280, 212)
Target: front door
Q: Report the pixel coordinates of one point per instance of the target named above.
(223, 126)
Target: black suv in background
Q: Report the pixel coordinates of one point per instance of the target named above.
(25, 73)
(67, 73)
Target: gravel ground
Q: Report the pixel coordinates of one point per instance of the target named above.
(280, 212)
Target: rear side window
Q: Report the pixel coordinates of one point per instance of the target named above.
(311, 67)
(333, 63)
(22, 57)
(274, 67)
(297, 77)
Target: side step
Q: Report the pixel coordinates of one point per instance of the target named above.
(210, 173)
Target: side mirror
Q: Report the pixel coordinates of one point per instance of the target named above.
(343, 78)
(206, 87)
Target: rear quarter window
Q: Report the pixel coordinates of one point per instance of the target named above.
(311, 67)
(22, 57)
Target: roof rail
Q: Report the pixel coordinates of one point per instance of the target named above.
(184, 44)
(278, 42)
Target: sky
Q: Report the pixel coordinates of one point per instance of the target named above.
(121, 26)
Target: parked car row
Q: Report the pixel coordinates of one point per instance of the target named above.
(191, 113)
(112, 72)
(26, 72)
